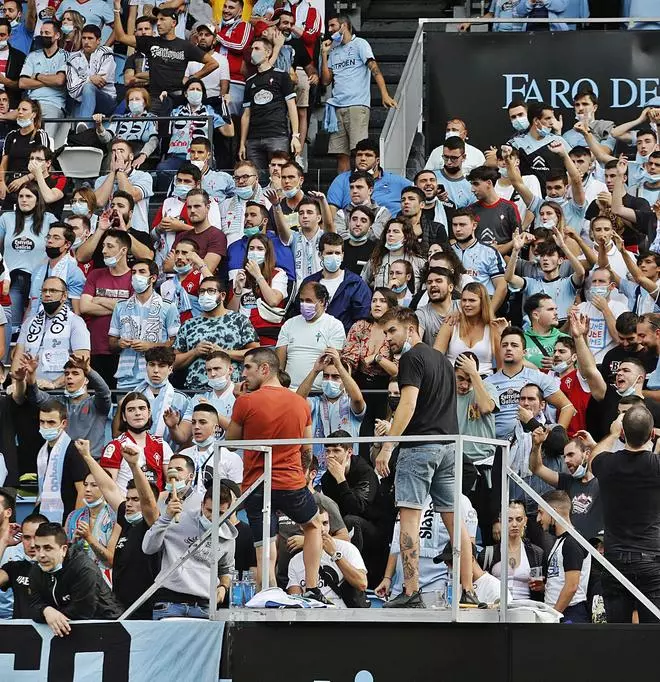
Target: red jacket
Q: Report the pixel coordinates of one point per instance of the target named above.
(233, 40)
(312, 25)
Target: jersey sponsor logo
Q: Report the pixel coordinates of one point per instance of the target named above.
(263, 97)
(510, 397)
(109, 451)
(345, 64)
(582, 503)
(165, 53)
(539, 164)
(22, 244)
(23, 580)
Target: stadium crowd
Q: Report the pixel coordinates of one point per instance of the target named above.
(165, 307)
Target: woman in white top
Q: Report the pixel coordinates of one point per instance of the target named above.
(401, 281)
(523, 556)
(398, 242)
(474, 329)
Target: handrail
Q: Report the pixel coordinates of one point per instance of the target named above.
(522, 20)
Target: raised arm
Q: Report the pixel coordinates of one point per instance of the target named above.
(148, 504)
(596, 149)
(579, 325)
(120, 34)
(350, 386)
(509, 274)
(109, 489)
(574, 176)
(483, 399)
(578, 269)
(536, 465)
(619, 191)
(515, 177)
(283, 230)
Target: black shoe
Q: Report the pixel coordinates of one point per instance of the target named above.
(406, 601)
(470, 600)
(316, 594)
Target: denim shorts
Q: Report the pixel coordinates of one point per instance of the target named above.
(298, 505)
(423, 470)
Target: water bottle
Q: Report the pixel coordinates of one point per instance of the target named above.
(450, 588)
(236, 592)
(249, 586)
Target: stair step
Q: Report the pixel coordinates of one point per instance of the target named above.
(404, 10)
(375, 27)
(394, 47)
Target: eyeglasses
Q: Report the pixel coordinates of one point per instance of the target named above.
(50, 292)
(208, 291)
(241, 178)
(446, 157)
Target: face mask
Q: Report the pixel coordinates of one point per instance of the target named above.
(336, 37)
(133, 518)
(66, 29)
(180, 191)
(218, 383)
(77, 242)
(182, 269)
(47, 41)
(153, 384)
(560, 367)
(521, 123)
(331, 389)
(194, 97)
(290, 193)
(642, 159)
(51, 306)
(257, 256)
(199, 164)
(53, 251)
(251, 231)
(55, 569)
(647, 177)
(599, 291)
(15, 22)
(451, 133)
(76, 394)
(406, 346)
(79, 208)
(257, 58)
(400, 289)
(548, 224)
(95, 503)
(580, 472)
(204, 523)
(558, 200)
(140, 283)
(628, 391)
(544, 132)
(49, 435)
(208, 302)
(332, 263)
(203, 444)
(244, 192)
(504, 172)
(135, 106)
(3, 44)
(24, 122)
(179, 485)
(394, 247)
(393, 401)
(359, 240)
(308, 310)
(110, 261)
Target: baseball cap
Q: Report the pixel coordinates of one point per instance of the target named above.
(205, 24)
(167, 12)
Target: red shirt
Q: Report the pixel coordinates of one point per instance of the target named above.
(233, 40)
(153, 459)
(269, 413)
(571, 387)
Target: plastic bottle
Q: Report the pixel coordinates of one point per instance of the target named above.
(249, 586)
(450, 588)
(237, 596)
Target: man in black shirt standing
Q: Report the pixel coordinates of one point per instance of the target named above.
(427, 407)
(630, 490)
(268, 108)
(167, 56)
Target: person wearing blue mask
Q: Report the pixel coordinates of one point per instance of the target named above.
(65, 584)
(649, 186)
(339, 406)
(22, 30)
(544, 128)
(350, 297)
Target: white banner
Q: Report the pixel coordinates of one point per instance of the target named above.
(109, 651)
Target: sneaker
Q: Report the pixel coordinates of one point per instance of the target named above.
(469, 600)
(315, 593)
(406, 601)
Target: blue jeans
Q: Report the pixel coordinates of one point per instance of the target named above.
(169, 609)
(94, 101)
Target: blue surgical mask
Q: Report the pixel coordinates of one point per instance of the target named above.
(647, 177)
(3, 44)
(79, 208)
(394, 247)
(134, 106)
(183, 269)
(153, 384)
(204, 523)
(194, 97)
(331, 389)
(14, 23)
(244, 192)
(140, 283)
(558, 200)
(94, 503)
(67, 28)
(336, 37)
(290, 193)
(257, 256)
(580, 472)
(133, 518)
(76, 394)
(50, 434)
(179, 485)
(599, 291)
(400, 289)
(251, 231)
(642, 159)
(110, 261)
(203, 444)
(628, 391)
(77, 242)
(24, 122)
(359, 240)
(181, 191)
(218, 383)
(333, 262)
(208, 302)
(406, 346)
(544, 132)
(521, 123)
(560, 367)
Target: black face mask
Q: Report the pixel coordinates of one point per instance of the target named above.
(47, 41)
(141, 429)
(51, 306)
(393, 401)
(53, 251)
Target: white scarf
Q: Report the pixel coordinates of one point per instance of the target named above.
(49, 472)
(159, 404)
(48, 337)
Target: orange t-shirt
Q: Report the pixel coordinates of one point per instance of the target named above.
(273, 412)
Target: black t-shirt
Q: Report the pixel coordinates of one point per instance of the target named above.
(133, 571)
(167, 61)
(630, 491)
(356, 257)
(601, 414)
(541, 162)
(586, 505)
(645, 220)
(143, 237)
(266, 94)
(19, 582)
(572, 553)
(431, 372)
(245, 556)
(18, 148)
(614, 357)
(301, 57)
(497, 222)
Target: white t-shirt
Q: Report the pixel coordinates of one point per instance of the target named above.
(518, 578)
(599, 338)
(305, 343)
(530, 181)
(230, 465)
(212, 81)
(556, 577)
(333, 284)
(328, 567)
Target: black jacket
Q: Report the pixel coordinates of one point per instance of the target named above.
(13, 72)
(77, 590)
(356, 495)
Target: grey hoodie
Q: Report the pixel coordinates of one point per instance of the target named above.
(174, 539)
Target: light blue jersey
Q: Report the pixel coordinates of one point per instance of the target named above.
(483, 262)
(459, 191)
(72, 275)
(38, 62)
(351, 83)
(504, 9)
(562, 290)
(573, 214)
(27, 250)
(640, 301)
(508, 389)
(573, 138)
(643, 191)
(223, 403)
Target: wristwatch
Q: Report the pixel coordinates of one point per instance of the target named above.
(377, 358)
(337, 556)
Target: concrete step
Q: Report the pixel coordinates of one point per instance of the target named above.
(395, 47)
(378, 28)
(395, 9)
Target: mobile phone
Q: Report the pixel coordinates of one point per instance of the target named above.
(441, 189)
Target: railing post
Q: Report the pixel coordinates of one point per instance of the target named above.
(458, 526)
(266, 511)
(504, 536)
(215, 529)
